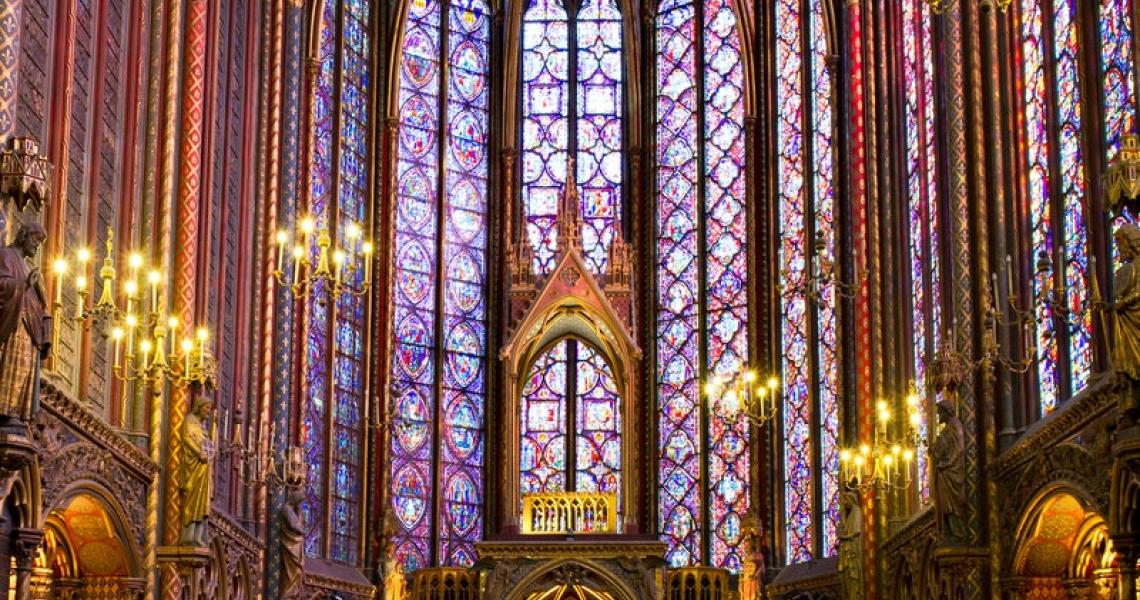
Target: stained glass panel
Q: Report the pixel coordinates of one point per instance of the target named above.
(415, 272)
(542, 453)
(465, 239)
(677, 283)
(545, 113)
(313, 432)
(599, 162)
(1117, 70)
(598, 425)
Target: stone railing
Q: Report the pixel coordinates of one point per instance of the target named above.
(445, 583)
(696, 583)
(569, 512)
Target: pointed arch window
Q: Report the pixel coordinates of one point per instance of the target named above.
(570, 388)
(702, 282)
(331, 421)
(438, 367)
(1117, 68)
(806, 212)
(572, 50)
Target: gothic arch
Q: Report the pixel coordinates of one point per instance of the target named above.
(115, 514)
(585, 571)
(25, 497)
(1050, 530)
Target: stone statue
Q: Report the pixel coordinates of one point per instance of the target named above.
(851, 545)
(948, 455)
(292, 544)
(197, 481)
(752, 560)
(25, 323)
(1126, 302)
(395, 581)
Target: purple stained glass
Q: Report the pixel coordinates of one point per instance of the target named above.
(415, 271)
(344, 526)
(545, 114)
(465, 241)
(827, 362)
(726, 271)
(542, 442)
(679, 461)
(313, 417)
(921, 186)
(599, 162)
(798, 472)
(1068, 93)
(1118, 75)
(598, 425)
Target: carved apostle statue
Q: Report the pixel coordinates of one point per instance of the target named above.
(197, 488)
(851, 545)
(948, 455)
(1126, 302)
(25, 323)
(751, 550)
(292, 545)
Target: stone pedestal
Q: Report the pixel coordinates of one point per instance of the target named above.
(190, 562)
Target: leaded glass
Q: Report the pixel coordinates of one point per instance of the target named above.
(599, 132)
(677, 284)
(545, 127)
(1117, 70)
(923, 214)
(542, 452)
(598, 425)
(415, 273)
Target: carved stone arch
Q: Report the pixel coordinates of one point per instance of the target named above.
(1066, 466)
(59, 553)
(82, 466)
(1092, 549)
(26, 497)
(585, 571)
(114, 510)
(1019, 553)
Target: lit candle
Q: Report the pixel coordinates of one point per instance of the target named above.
(994, 291)
(59, 268)
(132, 322)
(117, 335)
(172, 326)
(187, 350)
(135, 262)
(154, 278)
(202, 336)
(338, 265)
(282, 239)
(308, 226)
(367, 250)
(298, 254)
(1009, 276)
(144, 346)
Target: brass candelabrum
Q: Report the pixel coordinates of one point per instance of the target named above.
(823, 276)
(887, 461)
(745, 396)
(145, 340)
(331, 265)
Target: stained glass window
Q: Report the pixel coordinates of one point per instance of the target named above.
(553, 126)
(1056, 177)
(806, 205)
(923, 217)
(1118, 73)
(702, 278)
(550, 460)
(439, 299)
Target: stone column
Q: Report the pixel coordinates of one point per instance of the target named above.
(25, 542)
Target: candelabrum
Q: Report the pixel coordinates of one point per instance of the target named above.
(745, 396)
(146, 345)
(939, 6)
(887, 461)
(824, 277)
(331, 265)
(265, 470)
(1074, 311)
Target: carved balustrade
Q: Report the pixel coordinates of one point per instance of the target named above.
(445, 583)
(569, 512)
(697, 583)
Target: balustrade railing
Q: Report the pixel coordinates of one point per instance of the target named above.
(569, 512)
(696, 583)
(445, 583)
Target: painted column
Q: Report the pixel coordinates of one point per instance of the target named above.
(10, 12)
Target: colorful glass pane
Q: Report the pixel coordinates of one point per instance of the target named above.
(313, 432)
(352, 181)
(923, 214)
(545, 114)
(542, 452)
(678, 290)
(798, 473)
(599, 133)
(726, 271)
(827, 349)
(598, 425)
(1117, 70)
(415, 274)
(465, 241)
